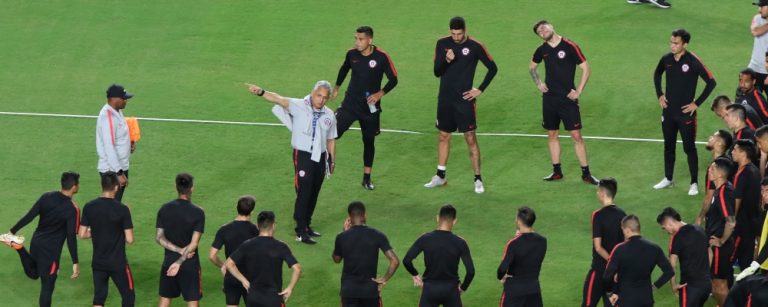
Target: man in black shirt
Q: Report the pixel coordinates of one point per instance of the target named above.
(560, 97)
(750, 292)
(719, 144)
(720, 221)
(256, 264)
(521, 264)
(746, 190)
(735, 118)
(630, 267)
(720, 104)
(59, 218)
(761, 139)
(108, 222)
(683, 69)
(442, 252)
(606, 233)
(231, 236)
(748, 93)
(362, 101)
(359, 247)
(456, 58)
(690, 245)
(180, 224)
(761, 261)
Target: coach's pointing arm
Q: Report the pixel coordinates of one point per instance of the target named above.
(269, 96)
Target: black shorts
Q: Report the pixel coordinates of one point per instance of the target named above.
(721, 267)
(187, 283)
(556, 109)
(456, 115)
(440, 293)
(347, 114)
(693, 297)
(123, 280)
(361, 302)
(234, 292)
(264, 298)
(530, 300)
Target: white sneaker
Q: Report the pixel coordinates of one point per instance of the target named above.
(663, 184)
(435, 182)
(694, 190)
(479, 188)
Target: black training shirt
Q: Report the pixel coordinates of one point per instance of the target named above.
(722, 206)
(359, 247)
(442, 251)
(691, 245)
(180, 219)
(606, 225)
(682, 77)
(458, 76)
(108, 220)
(59, 220)
(522, 260)
(560, 63)
(260, 259)
(367, 72)
(632, 262)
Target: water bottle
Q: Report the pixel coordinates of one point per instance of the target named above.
(371, 107)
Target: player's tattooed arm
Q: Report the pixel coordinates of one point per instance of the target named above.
(163, 241)
(534, 73)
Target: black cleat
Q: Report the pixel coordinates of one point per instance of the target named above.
(368, 185)
(305, 239)
(312, 233)
(590, 179)
(661, 3)
(553, 177)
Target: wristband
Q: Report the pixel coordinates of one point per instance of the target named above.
(261, 93)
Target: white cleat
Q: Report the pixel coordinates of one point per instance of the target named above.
(435, 182)
(12, 240)
(694, 190)
(663, 184)
(479, 188)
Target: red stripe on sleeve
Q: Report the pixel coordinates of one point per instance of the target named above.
(709, 73)
(578, 50)
(484, 50)
(111, 128)
(391, 65)
(506, 248)
(760, 102)
(722, 201)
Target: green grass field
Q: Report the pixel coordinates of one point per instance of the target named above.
(188, 60)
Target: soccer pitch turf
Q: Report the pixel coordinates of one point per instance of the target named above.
(188, 60)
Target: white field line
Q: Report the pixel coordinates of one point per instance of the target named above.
(220, 122)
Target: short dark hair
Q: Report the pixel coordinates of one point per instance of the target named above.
(748, 72)
(109, 181)
(724, 164)
(761, 132)
(457, 23)
(365, 29)
(682, 34)
(447, 212)
(245, 205)
(632, 222)
(69, 180)
(609, 185)
(748, 146)
(726, 137)
(265, 220)
(184, 183)
(720, 100)
(526, 215)
(741, 111)
(668, 212)
(539, 24)
(356, 208)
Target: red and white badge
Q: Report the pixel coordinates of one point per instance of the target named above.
(302, 173)
(372, 63)
(465, 51)
(561, 54)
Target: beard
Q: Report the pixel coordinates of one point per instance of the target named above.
(709, 147)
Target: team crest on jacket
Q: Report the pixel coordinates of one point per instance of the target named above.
(686, 67)
(372, 63)
(327, 122)
(302, 173)
(465, 51)
(561, 54)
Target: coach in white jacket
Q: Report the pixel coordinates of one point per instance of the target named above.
(113, 143)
